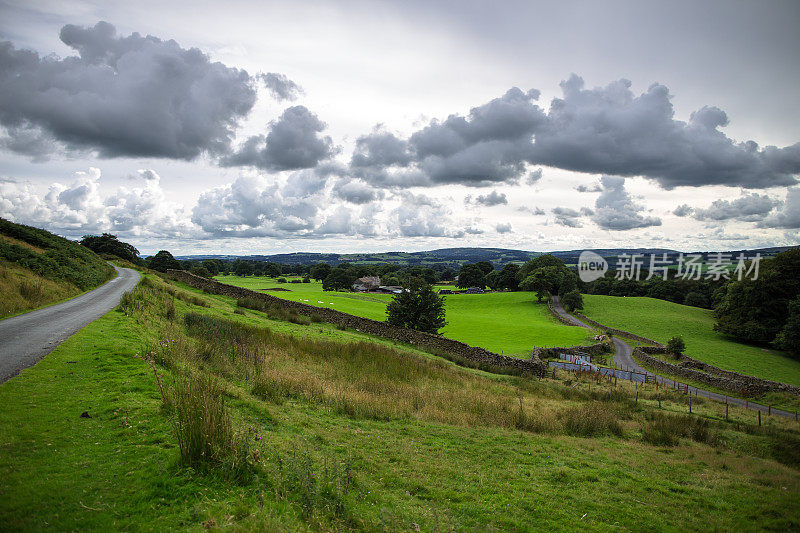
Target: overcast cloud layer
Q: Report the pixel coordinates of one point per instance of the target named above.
(592, 166)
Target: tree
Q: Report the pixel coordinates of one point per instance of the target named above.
(676, 346)
(572, 301)
(242, 268)
(507, 278)
(417, 307)
(163, 261)
(212, 265)
(789, 337)
(272, 270)
(339, 279)
(109, 244)
(447, 275)
(485, 266)
(757, 310)
(696, 299)
(319, 271)
(470, 275)
(201, 271)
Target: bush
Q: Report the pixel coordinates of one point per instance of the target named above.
(676, 346)
(572, 301)
(281, 280)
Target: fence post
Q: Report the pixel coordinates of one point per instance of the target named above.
(659, 401)
(637, 397)
(690, 404)
(769, 410)
(759, 417)
(726, 408)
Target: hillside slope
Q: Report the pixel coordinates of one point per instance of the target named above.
(38, 268)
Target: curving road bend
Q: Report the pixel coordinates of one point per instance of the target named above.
(623, 359)
(27, 338)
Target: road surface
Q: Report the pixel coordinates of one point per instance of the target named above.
(623, 360)
(25, 339)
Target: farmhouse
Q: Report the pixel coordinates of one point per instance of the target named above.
(366, 284)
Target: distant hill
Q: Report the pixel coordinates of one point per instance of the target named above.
(38, 268)
(455, 257)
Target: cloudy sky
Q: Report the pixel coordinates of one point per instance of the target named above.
(260, 127)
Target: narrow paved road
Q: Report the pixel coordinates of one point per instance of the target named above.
(25, 339)
(623, 359)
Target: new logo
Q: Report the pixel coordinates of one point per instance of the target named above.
(591, 266)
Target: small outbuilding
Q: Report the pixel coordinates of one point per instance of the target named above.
(367, 283)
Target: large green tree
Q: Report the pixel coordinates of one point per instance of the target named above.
(471, 275)
(789, 336)
(163, 261)
(546, 274)
(339, 279)
(417, 307)
(109, 244)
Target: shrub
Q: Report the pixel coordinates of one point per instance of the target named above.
(281, 280)
(676, 346)
(572, 301)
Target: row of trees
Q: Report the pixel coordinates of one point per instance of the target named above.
(765, 310)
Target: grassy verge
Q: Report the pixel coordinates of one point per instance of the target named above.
(660, 320)
(315, 429)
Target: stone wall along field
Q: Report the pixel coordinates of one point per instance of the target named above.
(451, 349)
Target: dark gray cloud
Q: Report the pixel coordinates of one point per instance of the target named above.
(488, 200)
(616, 210)
(380, 149)
(602, 130)
(531, 210)
(293, 142)
(503, 228)
(750, 207)
(788, 214)
(611, 130)
(683, 210)
(121, 96)
(280, 87)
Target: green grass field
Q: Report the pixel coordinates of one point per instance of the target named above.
(660, 320)
(511, 323)
(444, 448)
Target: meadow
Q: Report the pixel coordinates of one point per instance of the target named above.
(660, 320)
(509, 323)
(323, 429)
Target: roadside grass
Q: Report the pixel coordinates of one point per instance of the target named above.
(23, 290)
(509, 323)
(313, 465)
(660, 320)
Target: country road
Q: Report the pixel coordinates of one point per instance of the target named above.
(27, 338)
(623, 359)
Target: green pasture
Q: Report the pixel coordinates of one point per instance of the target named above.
(659, 320)
(510, 323)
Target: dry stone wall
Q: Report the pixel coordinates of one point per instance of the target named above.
(711, 375)
(452, 349)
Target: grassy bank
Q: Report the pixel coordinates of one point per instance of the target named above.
(660, 320)
(317, 428)
(511, 323)
(38, 268)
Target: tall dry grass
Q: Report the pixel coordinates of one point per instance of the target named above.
(366, 380)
